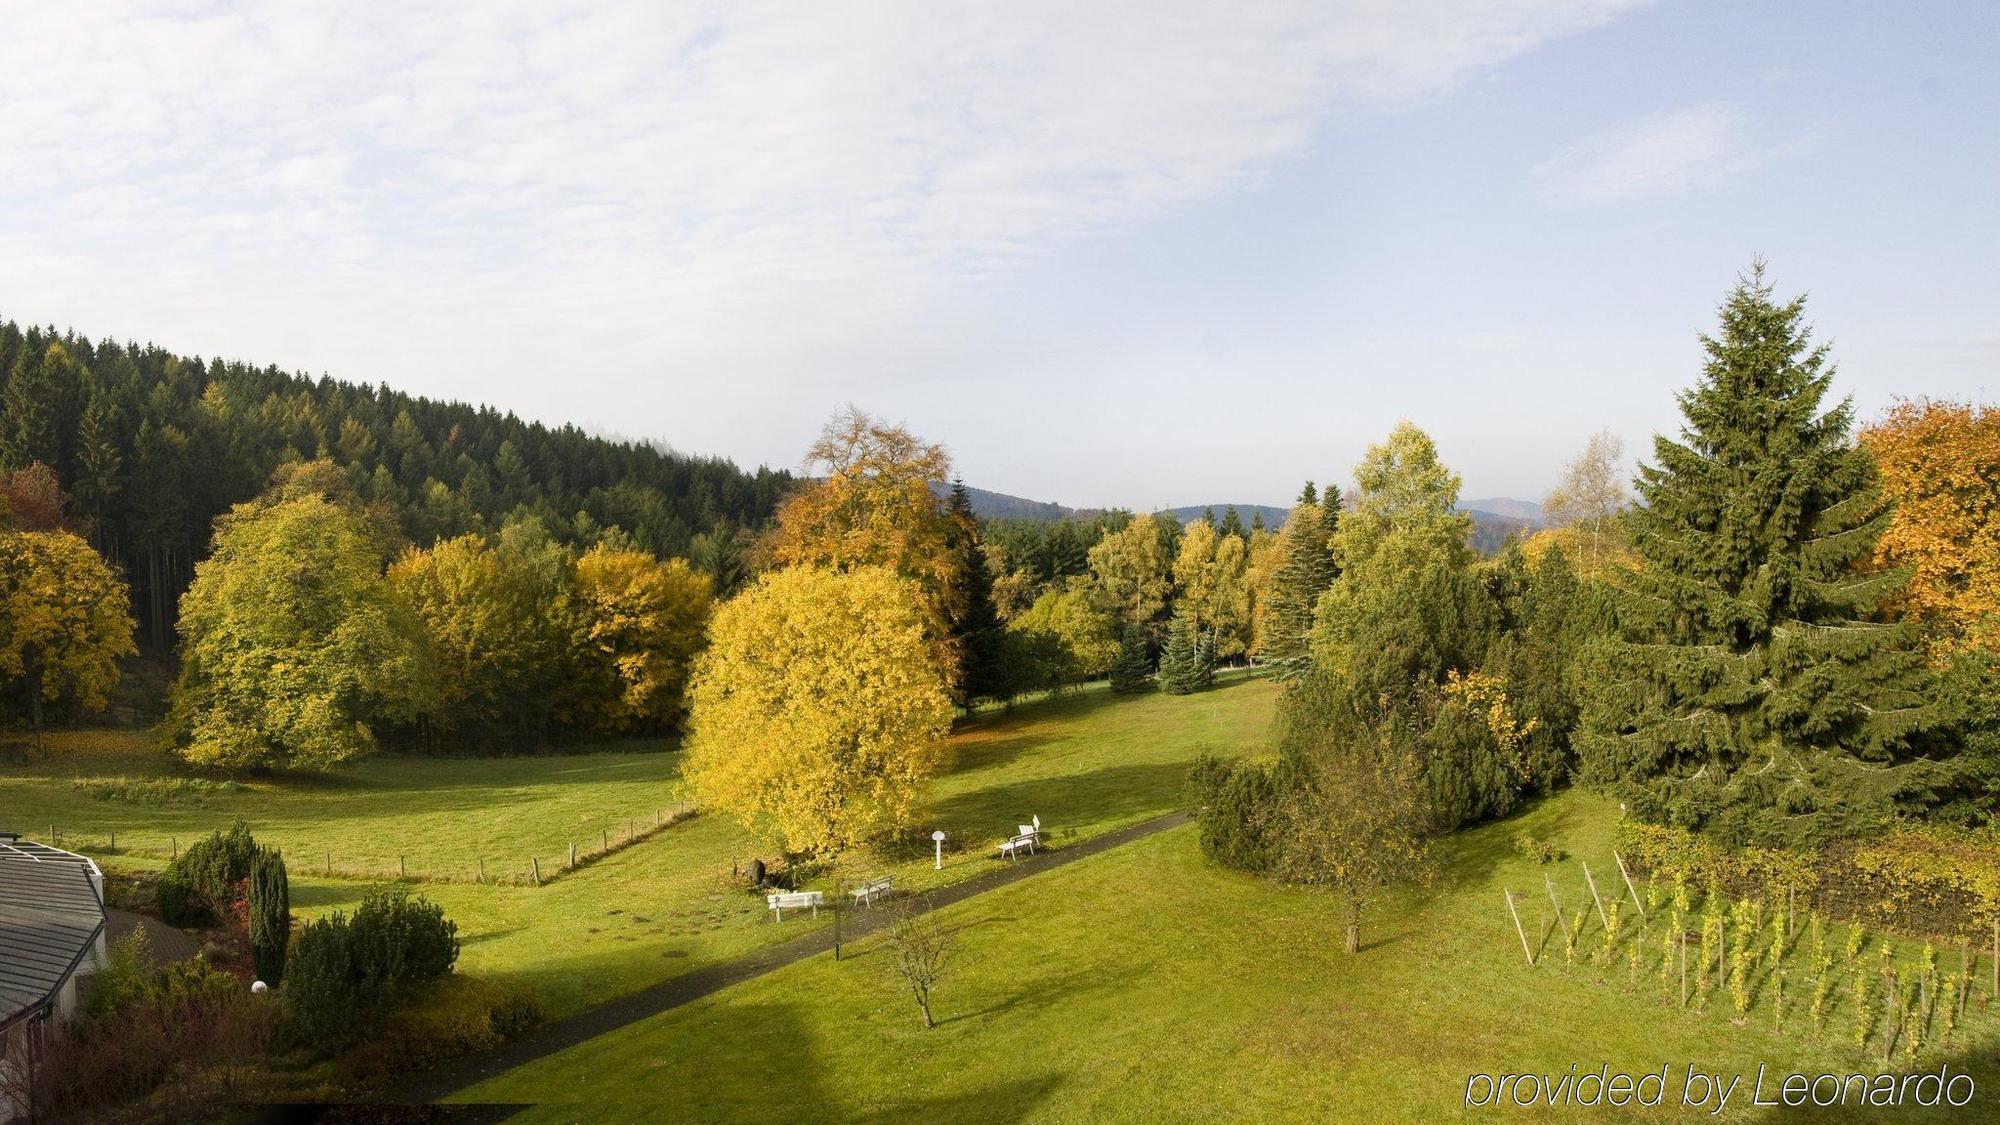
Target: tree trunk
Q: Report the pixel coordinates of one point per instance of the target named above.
(35, 701)
(1354, 925)
(924, 1002)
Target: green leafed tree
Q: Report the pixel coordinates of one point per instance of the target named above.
(294, 644)
(1755, 692)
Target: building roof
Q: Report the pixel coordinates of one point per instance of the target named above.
(50, 916)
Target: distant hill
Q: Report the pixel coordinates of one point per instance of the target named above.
(1000, 506)
(1506, 506)
(1494, 519)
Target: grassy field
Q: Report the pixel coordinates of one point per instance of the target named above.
(1086, 764)
(1145, 984)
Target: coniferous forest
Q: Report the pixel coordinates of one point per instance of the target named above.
(150, 447)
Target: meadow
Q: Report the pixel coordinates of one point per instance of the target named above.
(1086, 763)
(1148, 984)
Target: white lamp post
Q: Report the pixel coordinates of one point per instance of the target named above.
(937, 838)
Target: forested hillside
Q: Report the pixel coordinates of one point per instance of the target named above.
(151, 446)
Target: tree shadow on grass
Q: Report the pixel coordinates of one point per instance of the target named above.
(759, 1062)
(1981, 1062)
(1112, 793)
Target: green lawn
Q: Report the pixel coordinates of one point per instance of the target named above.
(1145, 984)
(1086, 764)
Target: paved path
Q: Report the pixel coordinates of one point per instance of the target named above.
(590, 1023)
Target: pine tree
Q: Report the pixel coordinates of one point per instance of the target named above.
(270, 915)
(1305, 569)
(1756, 693)
(30, 410)
(977, 629)
(1133, 666)
(1188, 663)
(98, 462)
(1232, 523)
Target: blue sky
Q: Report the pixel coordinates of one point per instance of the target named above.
(1133, 254)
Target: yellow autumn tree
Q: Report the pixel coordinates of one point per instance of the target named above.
(1940, 463)
(875, 503)
(642, 620)
(818, 710)
(64, 620)
(1211, 579)
(1133, 570)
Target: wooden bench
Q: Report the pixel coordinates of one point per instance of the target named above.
(1012, 848)
(795, 900)
(866, 893)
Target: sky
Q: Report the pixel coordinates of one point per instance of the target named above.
(1140, 254)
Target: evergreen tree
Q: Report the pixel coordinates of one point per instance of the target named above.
(30, 410)
(270, 915)
(1305, 569)
(1755, 692)
(976, 628)
(1188, 663)
(1232, 523)
(1131, 668)
(1256, 521)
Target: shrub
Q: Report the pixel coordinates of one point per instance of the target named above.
(143, 1034)
(1541, 851)
(270, 915)
(1238, 800)
(346, 971)
(212, 873)
(155, 790)
(453, 1016)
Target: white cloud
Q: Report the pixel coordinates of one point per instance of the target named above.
(1678, 153)
(591, 205)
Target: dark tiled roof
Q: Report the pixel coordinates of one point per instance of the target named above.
(50, 916)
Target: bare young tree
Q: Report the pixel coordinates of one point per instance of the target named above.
(1587, 500)
(920, 950)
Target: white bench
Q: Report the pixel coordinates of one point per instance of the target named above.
(1012, 848)
(795, 900)
(866, 893)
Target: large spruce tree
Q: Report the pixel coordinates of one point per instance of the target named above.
(976, 629)
(1755, 692)
(1305, 569)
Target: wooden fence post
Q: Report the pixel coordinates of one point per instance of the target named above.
(1594, 897)
(1625, 875)
(535, 866)
(1518, 928)
(175, 842)
(482, 870)
(1684, 968)
(572, 853)
(329, 863)
(604, 840)
(631, 830)
(402, 869)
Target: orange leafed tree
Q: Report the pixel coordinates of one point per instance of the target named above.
(1940, 462)
(874, 505)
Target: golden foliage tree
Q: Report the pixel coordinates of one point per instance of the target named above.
(641, 622)
(818, 710)
(1133, 570)
(1211, 576)
(1940, 463)
(875, 504)
(63, 620)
